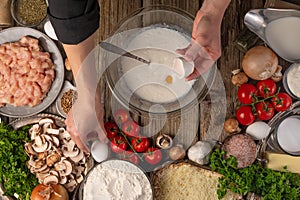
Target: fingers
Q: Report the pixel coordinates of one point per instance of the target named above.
(182, 51)
(75, 135)
(202, 65)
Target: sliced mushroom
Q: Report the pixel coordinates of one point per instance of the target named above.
(82, 161)
(34, 131)
(71, 185)
(46, 121)
(53, 172)
(40, 148)
(48, 138)
(45, 171)
(41, 169)
(63, 180)
(78, 170)
(55, 141)
(29, 150)
(41, 176)
(52, 131)
(79, 178)
(50, 180)
(64, 167)
(41, 155)
(64, 135)
(39, 164)
(78, 157)
(69, 149)
(52, 159)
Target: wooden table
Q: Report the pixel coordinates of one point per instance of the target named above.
(114, 11)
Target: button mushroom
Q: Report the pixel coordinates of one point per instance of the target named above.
(238, 77)
(231, 126)
(164, 141)
(177, 152)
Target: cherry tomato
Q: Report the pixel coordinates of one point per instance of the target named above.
(118, 144)
(131, 128)
(121, 116)
(153, 155)
(247, 93)
(282, 101)
(264, 110)
(111, 129)
(266, 88)
(140, 144)
(245, 115)
(130, 156)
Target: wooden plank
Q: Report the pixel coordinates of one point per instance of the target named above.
(111, 13)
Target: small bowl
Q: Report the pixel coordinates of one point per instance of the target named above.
(286, 80)
(66, 87)
(16, 7)
(284, 131)
(116, 166)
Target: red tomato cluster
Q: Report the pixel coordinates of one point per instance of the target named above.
(127, 141)
(260, 100)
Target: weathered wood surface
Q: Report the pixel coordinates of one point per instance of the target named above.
(200, 119)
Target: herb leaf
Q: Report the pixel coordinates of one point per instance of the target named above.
(14, 174)
(270, 184)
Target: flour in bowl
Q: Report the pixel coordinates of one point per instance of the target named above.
(117, 179)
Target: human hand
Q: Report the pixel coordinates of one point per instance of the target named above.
(205, 46)
(85, 122)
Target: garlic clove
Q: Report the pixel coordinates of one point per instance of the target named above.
(200, 152)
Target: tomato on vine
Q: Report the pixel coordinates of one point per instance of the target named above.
(266, 88)
(118, 144)
(282, 101)
(264, 110)
(245, 115)
(247, 93)
(111, 129)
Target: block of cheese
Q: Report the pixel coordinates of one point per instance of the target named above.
(277, 161)
(186, 181)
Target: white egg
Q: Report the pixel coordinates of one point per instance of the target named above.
(99, 151)
(258, 130)
(288, 135)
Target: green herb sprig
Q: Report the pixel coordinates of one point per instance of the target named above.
(270, 184)
(14, 174)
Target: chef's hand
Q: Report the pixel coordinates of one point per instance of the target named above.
(205, 46)
(85, 121)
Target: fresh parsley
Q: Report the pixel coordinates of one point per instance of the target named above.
(14, 174)
(270, 184)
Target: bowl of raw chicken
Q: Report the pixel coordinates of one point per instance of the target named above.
(31, 74)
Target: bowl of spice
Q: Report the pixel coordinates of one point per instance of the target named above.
(29, 13)
(66, 99)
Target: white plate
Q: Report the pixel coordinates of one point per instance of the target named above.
(67, 86)
(14, 34)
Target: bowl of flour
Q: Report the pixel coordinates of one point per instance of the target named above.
(116, 179)
(154, 34)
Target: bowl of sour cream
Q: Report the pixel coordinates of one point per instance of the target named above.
(291, 80)
(155, 33)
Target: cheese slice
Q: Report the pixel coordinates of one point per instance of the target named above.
(277, 161)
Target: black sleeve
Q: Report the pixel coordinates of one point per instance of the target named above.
(74, 20)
